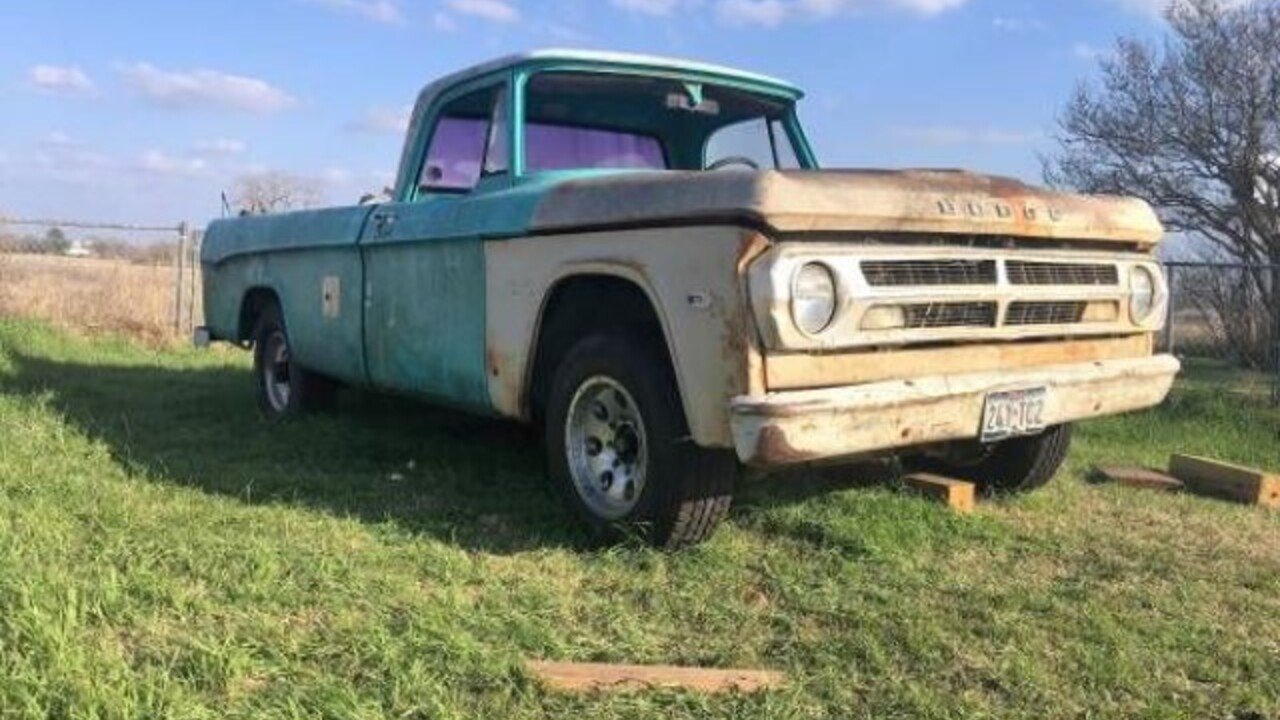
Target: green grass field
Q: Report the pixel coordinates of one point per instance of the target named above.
(163, 553)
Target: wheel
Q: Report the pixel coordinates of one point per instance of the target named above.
(1013, 466)
(618, 447)
(284, 389)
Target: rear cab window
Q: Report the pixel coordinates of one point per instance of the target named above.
(579, 120)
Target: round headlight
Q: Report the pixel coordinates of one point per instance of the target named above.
(813, 298)
(1142, 293)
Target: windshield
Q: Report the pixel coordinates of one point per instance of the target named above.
(587, 120)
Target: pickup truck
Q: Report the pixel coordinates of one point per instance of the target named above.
(641, 257)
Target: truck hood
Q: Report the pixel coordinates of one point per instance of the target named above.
(870, 201)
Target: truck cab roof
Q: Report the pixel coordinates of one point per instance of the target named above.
(634, 62)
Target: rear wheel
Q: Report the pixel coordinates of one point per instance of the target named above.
(1013, 466)
(284, 389)
(618, 448)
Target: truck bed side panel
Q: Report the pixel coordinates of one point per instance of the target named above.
(311, 262)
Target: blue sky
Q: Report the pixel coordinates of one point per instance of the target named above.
(144, 110)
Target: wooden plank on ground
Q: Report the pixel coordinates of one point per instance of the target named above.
(1226, 481)
(958, 495)
(1138, 477)
(603, 677)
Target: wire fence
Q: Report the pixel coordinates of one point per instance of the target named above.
(141, 280)
(1224, 318)
(144, 280)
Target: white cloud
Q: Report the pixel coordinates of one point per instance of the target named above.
(383, 121)
(500, 11)
(443, 22)
(768, 13)
(1087, 52)
(771, 13)
(56, 80)
(954, 135)
(221, 146)
(58, 139)
(383, 11)
(155, 162)
(1017, 24)
(1155, 8)
(648, 7)
(209, 88)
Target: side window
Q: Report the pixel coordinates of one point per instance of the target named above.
(748, 140)
(787, 159)
(763, 142)
(469, 141)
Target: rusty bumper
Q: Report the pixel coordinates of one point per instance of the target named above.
(787, 428)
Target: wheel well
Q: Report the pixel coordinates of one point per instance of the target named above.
(579, 305)
(255, 301)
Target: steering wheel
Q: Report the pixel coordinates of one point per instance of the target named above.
(725, 162)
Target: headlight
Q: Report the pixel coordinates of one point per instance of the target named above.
(1142, 293)
(813, 298)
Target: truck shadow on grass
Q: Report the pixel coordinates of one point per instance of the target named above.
(473, 482)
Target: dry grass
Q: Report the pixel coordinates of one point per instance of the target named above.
(93, 294)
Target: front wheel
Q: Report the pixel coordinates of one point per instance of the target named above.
(618, 449)
(1013, 466)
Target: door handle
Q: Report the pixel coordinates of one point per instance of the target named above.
(383, 222)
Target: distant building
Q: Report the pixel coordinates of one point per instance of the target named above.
(78, 248)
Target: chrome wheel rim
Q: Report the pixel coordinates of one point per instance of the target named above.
(607, 448)
(275, 371)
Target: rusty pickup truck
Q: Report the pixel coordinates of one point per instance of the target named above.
(642, 257)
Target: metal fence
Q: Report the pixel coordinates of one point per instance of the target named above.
(1224, 318)
(145, 280)
(142, 280)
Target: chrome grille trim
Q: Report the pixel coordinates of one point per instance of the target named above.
(900, 273)
(854, 325)
(1024, 272)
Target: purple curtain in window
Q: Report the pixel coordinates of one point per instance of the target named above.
(558, 147)
(456, 149)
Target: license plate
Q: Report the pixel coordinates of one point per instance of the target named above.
(1013, 414)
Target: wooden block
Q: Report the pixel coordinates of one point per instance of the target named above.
(955, 494)
(1229, 482)
(1138, 478)
(602, 677)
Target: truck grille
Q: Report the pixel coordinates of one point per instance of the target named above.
(1022, 272)
(1045, 313)
(950, 315)
(899, 273)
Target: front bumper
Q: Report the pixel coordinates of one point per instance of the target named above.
(787, 428)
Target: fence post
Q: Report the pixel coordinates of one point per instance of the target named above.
(178, 262)
(197, 237)
(1275, 335)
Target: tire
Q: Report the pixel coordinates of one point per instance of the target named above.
(284, 390)
(613, 419)
(1013, 466)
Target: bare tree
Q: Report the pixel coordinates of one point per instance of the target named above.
(274, 192)
(1193, 127)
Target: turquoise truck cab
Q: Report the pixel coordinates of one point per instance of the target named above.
(642, 256)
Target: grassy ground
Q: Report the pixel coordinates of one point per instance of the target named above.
(165, 554)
